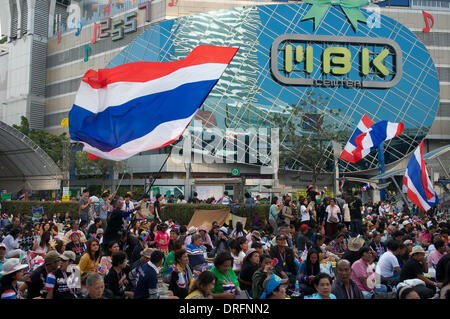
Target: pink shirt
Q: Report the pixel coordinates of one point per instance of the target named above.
(162, 240)
(434, 258)
(360, 269)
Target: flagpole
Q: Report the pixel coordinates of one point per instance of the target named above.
(381, 169)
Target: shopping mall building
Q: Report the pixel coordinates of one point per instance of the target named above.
(307, 77)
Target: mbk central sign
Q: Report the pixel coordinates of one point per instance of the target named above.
(332, 61)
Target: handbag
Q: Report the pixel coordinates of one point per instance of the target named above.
(333, 220)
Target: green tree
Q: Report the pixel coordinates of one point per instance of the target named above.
(306, 131)
(53, 145)
(98, 167)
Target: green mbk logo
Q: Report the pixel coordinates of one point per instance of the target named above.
(298, 52)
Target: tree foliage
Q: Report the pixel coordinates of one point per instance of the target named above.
(306, 132)
(51, 144)
(99, 167)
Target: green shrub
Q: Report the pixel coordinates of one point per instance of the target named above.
(50, 208)
(181, 213)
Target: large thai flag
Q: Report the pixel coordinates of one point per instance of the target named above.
(420, 188)
(368, 136)
(142, 106)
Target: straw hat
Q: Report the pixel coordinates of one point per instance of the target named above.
(417, 250)
(355, 244)
(192, 230)
(12, 265)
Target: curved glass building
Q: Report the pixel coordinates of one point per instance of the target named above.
(288, 73)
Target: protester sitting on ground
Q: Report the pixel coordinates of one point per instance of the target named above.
(260, 275)
(445, 288)
(377, 245)
(414, 268)
(344, 287)
(106, 261)
(92, 230)
(318, 240)
(337, 246)
(12, 240)
(388, 267)
(205, 239)
(322, 284)
(147, 279)
(170, 262)
(237, 252)
(145, 258)
(250, 265)
(407, 292)
(352, 252)
(214, 231)
(202, 287)
(273, 288)
(27, 240)
(308, 270)
(116, 279)
(42, 244)
(181, 276)
(285, 257)
(95, 286)
(436, 255)
(303, 242)
(57, 283)
(11, 274)
(221, 243)
(238, 231)
(363, 273)
(75, 245)
(75, 228)
(196, 253)
(35, 284)
(191, 232)
(90, 261)
(141, 245)
(227, 284)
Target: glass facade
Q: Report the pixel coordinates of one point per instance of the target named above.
(248, 95)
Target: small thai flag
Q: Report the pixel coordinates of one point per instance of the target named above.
(21, 197)
(366, 187)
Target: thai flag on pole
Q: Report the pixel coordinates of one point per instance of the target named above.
(362, 142)
(142, 106)
(420, 188)
(21, 197)
(366, 187)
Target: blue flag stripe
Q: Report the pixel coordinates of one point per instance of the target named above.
(144, 114)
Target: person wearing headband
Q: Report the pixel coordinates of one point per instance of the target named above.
(273, 288)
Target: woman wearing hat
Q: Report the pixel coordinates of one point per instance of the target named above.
(250, 265)
(11, 274)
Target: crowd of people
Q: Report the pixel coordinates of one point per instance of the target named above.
(313, 248)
